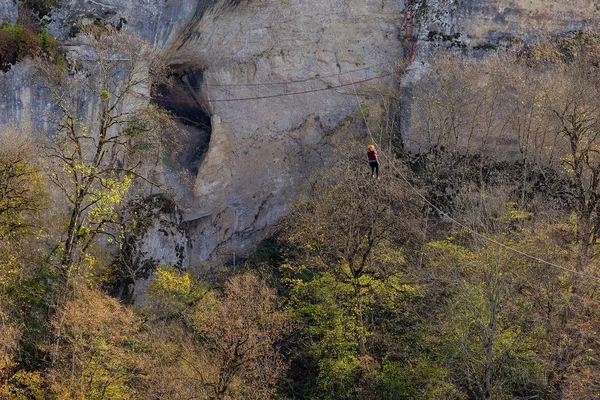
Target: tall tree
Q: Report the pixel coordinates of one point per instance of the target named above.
(21, 183)
(575, 110)
(344, 240)
(22, 201)
(103, 120)
(214, 344)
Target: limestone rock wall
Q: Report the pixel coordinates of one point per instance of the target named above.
(277, 78)
(163, 244)
(486, 23)
(276, 136)
(484, 20)
(157, 21)
(8, 11)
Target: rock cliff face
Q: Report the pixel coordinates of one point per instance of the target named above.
(493, 20)
(277, 78)
(269, 134)
(487, 23)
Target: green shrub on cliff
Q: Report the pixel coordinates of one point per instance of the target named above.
(18, 42)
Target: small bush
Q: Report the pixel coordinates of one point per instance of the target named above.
(18, 42)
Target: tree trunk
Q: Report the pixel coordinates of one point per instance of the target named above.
(362, 345)
(67, 257)
(490, 335)
(489, 362)
(584, 234)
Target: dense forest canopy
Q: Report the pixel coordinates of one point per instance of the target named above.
(469, 270)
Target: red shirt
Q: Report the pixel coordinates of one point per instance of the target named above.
(372, 155)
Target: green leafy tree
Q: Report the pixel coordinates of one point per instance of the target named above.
(345, 240)
(22, 293)
(484, 329)
(22, 194)
(97, 150)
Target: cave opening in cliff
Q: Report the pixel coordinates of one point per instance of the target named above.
(181, 96)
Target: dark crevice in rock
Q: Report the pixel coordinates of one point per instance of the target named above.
(182, 98)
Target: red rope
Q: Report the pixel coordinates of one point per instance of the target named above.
(276, 95)
(408, 30)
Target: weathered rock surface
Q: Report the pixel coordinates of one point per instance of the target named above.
(162, 242)
(8, 11)
(278, 78)
(485, 20)
(487, 23)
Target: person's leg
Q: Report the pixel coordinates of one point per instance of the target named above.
(377, 169)
(372, 164)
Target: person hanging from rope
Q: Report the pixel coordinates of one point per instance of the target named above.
(373, 161)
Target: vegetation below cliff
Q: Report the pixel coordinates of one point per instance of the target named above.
(469, 270)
